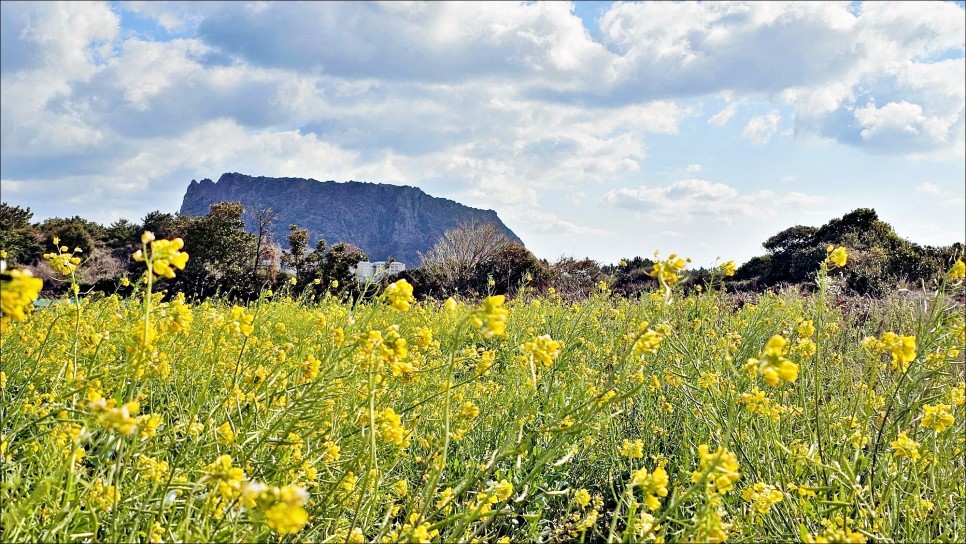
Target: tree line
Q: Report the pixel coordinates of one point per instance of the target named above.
(471, 260)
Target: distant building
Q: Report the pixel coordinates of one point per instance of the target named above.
(366, 271)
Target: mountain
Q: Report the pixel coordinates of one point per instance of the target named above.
(383, 220)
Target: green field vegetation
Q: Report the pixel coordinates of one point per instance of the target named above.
(697, 418)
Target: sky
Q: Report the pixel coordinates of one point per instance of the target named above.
(594, 129)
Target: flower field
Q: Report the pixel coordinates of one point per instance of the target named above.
(695, 419)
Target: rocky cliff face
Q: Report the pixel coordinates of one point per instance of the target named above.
(383, 220)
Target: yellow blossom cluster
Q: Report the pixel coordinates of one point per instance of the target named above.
(113, 418)
(399, 295)
(757, 402)
(633, 449)
(957, 271)
(152, 469)
(653, 485)
(543, 349)
(772, 364)
(903, 446)
(901, 349)
(647, 341)
(957, 394)
(667, 271)
(718, 469)
(102, 496)
(937, 417)
(63, 261)
(227, 479)
(283, 507)
(164, 255)
(18, 293)
(762, 496)
(837, 256)
(241, 322)
(490, 317)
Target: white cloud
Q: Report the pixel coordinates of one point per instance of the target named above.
(722, 117)
(760, 129)
(145, 69)
(47, 49)
(688, 198)
(172, 16)
(927, 188)
(549, 222)
(576, 198)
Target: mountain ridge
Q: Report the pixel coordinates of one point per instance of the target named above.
(385, 221)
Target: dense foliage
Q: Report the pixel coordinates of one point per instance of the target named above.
(471, 261)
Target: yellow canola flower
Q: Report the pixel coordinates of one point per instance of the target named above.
(648, 342)
(469, 410)
(903, 446)
(836, 534)
(728, 268)
(772, 364)
(721, 468)
(424, 337)
(227, 478)
(901, 348)
(632, 449)
(543, 348)
(391, 429)
(837, 256)
(757, 402)
(653, 485)
(164, 255)
(225, 434)
(63, 262)
(288, 516)
(103, 496)
(958, 270)
(491, 316)
(938, 417)
(18, 294)
(582, 498)
(666, 271)
(399, 295)
(805, 328)
(762, 496)
(120, 419)
(957, 395)
(502, 491)
(241, 321)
